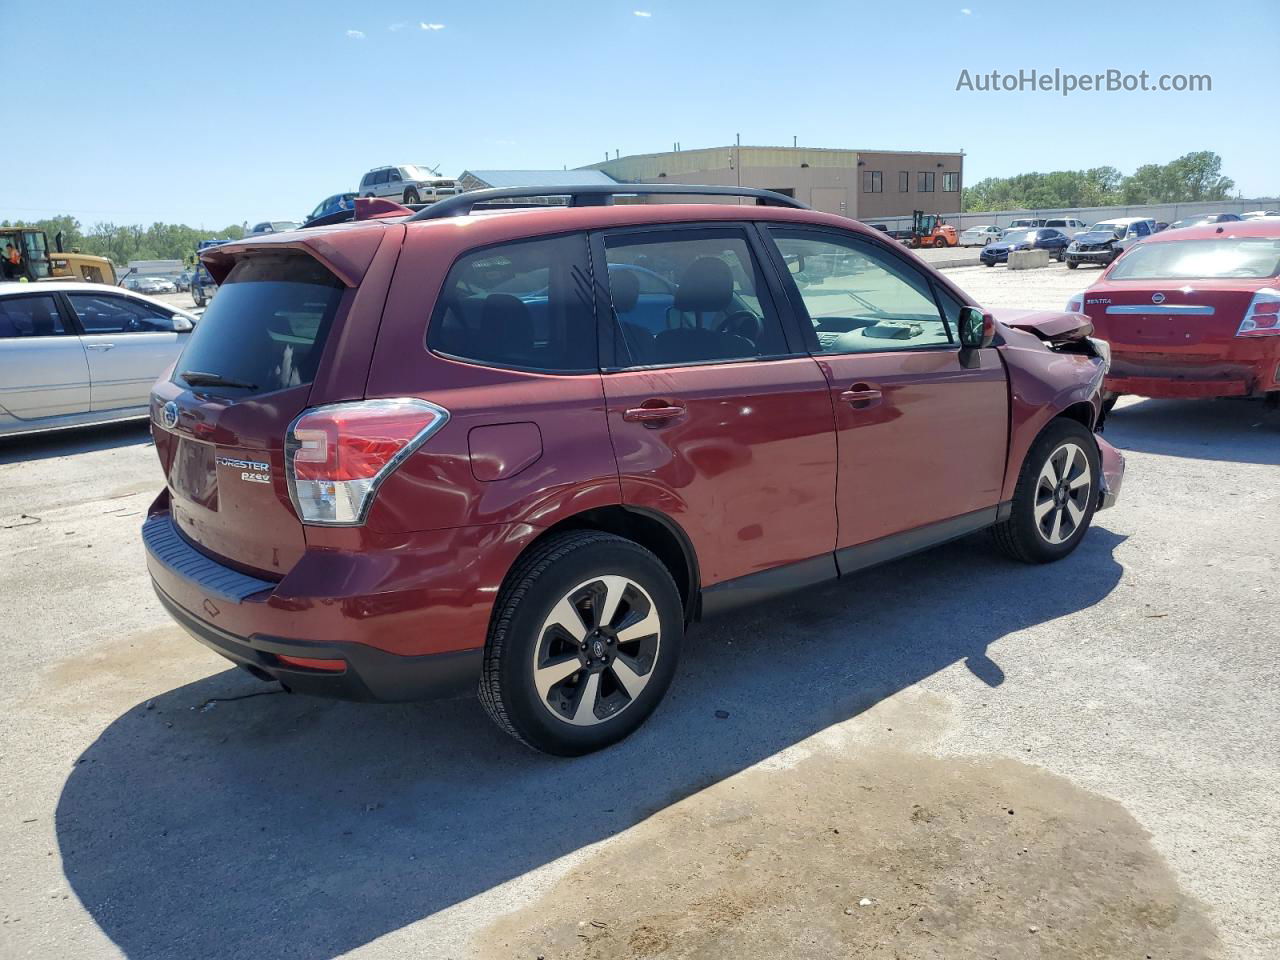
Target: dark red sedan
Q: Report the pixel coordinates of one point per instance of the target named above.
(1193, 313)
(523, 450)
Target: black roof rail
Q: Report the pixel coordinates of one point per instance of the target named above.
(594, 195)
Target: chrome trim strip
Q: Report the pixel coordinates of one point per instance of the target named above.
(1161, 309)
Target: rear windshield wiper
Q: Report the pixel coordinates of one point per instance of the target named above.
(198, 378)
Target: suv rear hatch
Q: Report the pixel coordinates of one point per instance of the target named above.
(246, 373)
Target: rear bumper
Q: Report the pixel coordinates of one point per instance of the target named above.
(407, 619)
(1244, 368)
(368, 674)
(1112, 474)
(1177, 387)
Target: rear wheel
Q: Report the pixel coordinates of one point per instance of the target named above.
(584, 642)
(1056, 495)
(940, 242)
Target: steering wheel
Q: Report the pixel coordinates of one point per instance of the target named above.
(742, 323)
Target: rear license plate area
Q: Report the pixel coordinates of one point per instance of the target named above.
(193, 474)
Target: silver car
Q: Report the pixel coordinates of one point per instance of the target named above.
(73, 354)
(407, 183)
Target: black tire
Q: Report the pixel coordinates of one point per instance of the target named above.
(939, 242)
(411, 196)
(1072, 264)
(1022, 536)
(556, 569)
(198, 297)
(1109, 401)
(990, 263)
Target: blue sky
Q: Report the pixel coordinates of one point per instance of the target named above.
(231, 111)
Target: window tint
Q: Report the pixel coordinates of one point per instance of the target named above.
(29, 317)
(267, 326)
(104, 313)
(926, 183)
(861, 299)
(1143, 230)
(381, 176)
(872, 181)
(523, 305)
(706, 302)
(393, 176)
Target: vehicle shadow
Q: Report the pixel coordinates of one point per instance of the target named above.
(1245, 431)
(66, 443)
(286, 826)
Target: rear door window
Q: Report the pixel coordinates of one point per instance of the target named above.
(524, 306)
(35, 316)
(267, 327)
(689, 297)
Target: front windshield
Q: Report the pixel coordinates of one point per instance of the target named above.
(1116, 229)
(1019, 236)
(1247, 258)
(416, 172)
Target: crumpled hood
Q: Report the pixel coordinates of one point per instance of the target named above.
(1049, 325)
(1095, 236)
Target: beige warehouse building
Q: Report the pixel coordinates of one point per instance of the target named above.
(863, 184)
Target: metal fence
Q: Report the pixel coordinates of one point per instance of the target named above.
(1160, 212)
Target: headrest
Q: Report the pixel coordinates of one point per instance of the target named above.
(505, 320)
(706, 287)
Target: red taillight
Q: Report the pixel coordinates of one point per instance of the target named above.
(338, 455)
(1262, 319)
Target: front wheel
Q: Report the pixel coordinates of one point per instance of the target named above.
(940, 242)
(411, 196)
(1072, 264)
(584, 642)
(1055, 497)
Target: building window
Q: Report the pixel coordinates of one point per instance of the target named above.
(950, 183)
(925, 182)
(904, 181)
(872, 181)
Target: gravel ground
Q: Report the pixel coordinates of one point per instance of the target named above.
(950, 756)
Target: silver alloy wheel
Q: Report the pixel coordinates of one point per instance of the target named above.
(596, 650)
(1062, 493)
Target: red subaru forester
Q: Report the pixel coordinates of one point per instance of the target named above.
(525, 448)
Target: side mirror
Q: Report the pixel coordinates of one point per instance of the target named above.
(977, 329)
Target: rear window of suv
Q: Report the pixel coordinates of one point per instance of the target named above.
(267, 326)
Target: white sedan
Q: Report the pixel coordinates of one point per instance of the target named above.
(74, 353)
(979, 236)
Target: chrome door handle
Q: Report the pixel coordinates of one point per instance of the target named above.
(862, 395)
(653, 414)
(98, 346)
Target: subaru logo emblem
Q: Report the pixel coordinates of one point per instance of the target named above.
(1157, 298)
(169, 416)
